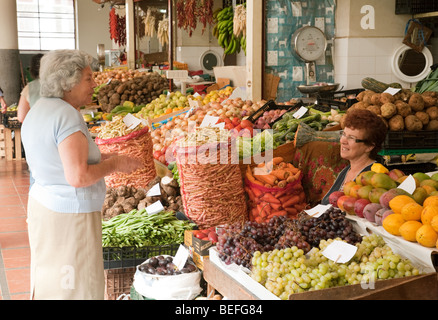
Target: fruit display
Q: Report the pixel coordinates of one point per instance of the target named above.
(224, 31)
(237, 243)
(139, 90)
(206, 234)
(164, 266)
(123, 75)
(178, 127)
(163, 105)
(404, 111)
(375, 196)
(290, 270)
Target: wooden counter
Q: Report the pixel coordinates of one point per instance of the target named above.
(423, 287)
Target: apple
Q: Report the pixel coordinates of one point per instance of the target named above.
(334, 196)
(359, 206)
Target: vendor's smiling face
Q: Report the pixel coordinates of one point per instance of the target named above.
(353, 143)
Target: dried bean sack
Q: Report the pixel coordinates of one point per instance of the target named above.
(137, 144)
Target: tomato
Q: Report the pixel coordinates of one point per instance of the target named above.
(246, 124)
(238, 128)
(229, 126)
(212, 236)
(236, 121)
(200, 235)
(227, 120)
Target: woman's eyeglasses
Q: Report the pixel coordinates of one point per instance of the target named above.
(351, 138)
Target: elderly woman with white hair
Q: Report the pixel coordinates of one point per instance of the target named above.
(64, 208)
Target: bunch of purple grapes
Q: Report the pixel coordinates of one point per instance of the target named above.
(330, 225)
(237, 243)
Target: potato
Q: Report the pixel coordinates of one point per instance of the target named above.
(388, 110)
(423, 116)
(416, 102)
(432, 112)
(386, 97)
(396, 123)
(430, 99)
(375, 98)
(403, 108)
(374, 108)
(412, 123)
(359, 105)
(432, 125)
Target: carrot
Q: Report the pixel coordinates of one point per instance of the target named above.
(259, 220)
(250, 193)
(294, 177)
(292, 200)
(250, 177)
(280, 174)
(276, 206)
(268, 185)
(282, 183)
(291, 211)
(257, 192)
(284, 198)
(302, 196)
(282, 165)
(267, 179)
(266, 207)
(262, 213)
(277, 160)
(281, 193)
(268, 197)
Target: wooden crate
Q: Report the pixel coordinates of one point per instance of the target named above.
(118, 282)
(12, 138)
(2, 142)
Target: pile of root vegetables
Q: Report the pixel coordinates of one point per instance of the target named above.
(124, 199)
(404, 111)
(139, 89)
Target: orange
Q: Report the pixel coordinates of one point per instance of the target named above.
(428, 213)
(431, 200)
(398, 202)
(426, 236)
(434, 223)
(408, 230)
(392, 223)
(412, 211)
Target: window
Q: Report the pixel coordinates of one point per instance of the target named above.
(46, 24)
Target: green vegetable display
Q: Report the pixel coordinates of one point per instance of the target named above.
(139, 229)
(430, 83)
(285, 129)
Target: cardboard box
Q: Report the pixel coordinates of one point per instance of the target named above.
(220, 83)
(236, 74)
(270, 86)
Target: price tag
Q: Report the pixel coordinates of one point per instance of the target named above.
(339, 251)
(392, 91)
(131, 121)
(408, 184)
(209, 121)
(300, 113)
(154, 191)
(155, 208)
(181, 257)
(318, 210)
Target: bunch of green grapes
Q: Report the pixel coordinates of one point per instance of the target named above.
(287, 271)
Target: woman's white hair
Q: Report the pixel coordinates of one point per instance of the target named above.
(61, 70)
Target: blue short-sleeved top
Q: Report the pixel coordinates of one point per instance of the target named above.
(48, 123)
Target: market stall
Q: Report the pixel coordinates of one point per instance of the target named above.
(273, 175)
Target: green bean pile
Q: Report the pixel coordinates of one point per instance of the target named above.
(139, 229)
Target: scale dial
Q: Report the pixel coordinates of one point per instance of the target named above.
(309, 43)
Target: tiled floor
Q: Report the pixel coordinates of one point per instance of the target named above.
(14, 242)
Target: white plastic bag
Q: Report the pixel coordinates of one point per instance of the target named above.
(185, 286)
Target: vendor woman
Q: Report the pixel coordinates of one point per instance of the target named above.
(362, 138)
